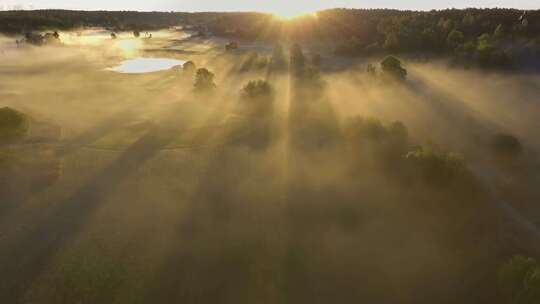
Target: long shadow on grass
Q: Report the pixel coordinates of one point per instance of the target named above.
(221, 240)
(24, 257)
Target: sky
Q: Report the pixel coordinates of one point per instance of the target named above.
(284, 7)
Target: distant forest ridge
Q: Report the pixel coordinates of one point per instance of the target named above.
(15, 21)
(495, 37)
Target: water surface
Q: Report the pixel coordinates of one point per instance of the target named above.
(146, 65)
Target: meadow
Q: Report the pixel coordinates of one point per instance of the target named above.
(307, 180)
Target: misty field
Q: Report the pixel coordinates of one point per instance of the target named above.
(305, 187)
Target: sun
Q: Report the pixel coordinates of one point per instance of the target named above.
(286, 14)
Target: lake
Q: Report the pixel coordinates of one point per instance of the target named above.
(146, 65)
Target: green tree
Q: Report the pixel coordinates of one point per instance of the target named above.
(499, 31)
(468, 20)
(391, 66)
(391, 42)
(519, 280)
(455, 38)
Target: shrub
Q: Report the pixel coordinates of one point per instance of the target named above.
(13, 125)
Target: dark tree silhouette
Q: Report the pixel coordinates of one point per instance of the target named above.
(257, 89)
(13, 125)
(391, 67)
(278, 62)
(298, 61)
(506, 145)
(204, 81)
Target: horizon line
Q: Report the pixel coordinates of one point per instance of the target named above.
(269, 12)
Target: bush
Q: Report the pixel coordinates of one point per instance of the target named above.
(13, 125)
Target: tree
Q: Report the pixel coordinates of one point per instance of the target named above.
(391, 42)
(506, 145)
(468, 20)
(298, 61)
(455, 38)
(438, 168)
(391, 66)
(499, 32)
(278, 61)
(389, 143)
(257, 89)
(519, 280)
(204, 81)
(13, 125)
(446, 24)
(189, 66)
(484, 41)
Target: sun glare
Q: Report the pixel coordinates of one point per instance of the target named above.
(292, 14)
(130, 47)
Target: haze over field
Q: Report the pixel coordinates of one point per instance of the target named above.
(151, 163)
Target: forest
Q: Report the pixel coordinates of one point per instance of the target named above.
(490, 38)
